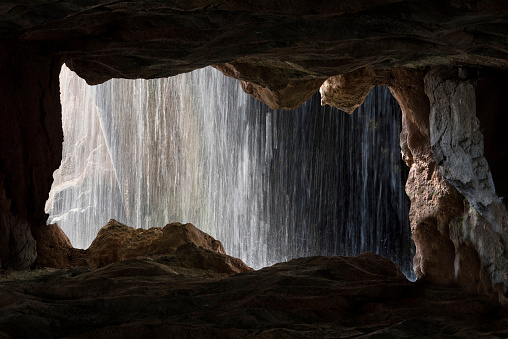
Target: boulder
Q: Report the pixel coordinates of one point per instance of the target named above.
(117, 241)
(54, 249)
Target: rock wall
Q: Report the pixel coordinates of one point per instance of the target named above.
(30, 148)
(455, 245)
(273, 44)
(278, 49)
(458, 146)
(433, 200)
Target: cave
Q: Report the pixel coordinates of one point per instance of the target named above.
(272, 185)
(444, 62)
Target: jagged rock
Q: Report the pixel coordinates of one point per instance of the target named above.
(457, 145)
(435, 254)
(364, 296)
(117, 241)
(175, 234)
(182, 245)
(308, 40)
(433, 201)
(272, 82)
(451, 239)
(348, 91)
(101, 40)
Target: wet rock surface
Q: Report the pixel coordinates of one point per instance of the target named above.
(362, 297)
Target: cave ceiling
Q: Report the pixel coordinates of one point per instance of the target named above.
(266, 43)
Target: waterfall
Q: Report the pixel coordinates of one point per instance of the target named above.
(270, 184)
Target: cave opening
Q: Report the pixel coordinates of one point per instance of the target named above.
(271, 185)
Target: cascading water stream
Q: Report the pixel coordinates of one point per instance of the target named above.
(271, 185)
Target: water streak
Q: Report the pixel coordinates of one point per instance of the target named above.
(271, 185)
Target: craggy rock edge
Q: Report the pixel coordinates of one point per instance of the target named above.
(458, 222)
(278, 50)
(189, 247)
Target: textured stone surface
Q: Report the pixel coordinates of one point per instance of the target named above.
(117, 241)
(271, 82)
(348, 91)
(274, 45)
(434, 202)
(362, 297)
(54, 249)
(189, 246)
(491, 108)
(457, 144)
(279, 42)
(456, 140)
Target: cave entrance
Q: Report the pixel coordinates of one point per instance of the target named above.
(271, 185)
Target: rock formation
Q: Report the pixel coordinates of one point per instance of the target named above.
(281, 49)
(458, 148)
(30, 148)
(362, 297)
(183, 243)
(442, 144)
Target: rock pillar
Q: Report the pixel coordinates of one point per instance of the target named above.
(457, 142)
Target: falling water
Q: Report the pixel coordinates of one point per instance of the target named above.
(271, 185)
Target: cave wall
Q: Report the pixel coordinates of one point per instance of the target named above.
(457, 142)
(282, 51)
(30, 148)
(433, 201)
(458, 221)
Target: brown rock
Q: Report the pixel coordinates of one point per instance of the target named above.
(54, 249)
(364, 296)
(181, 246)
(470, 274)
(288, 41)
(288, 98)
(443, 253)
(348, 91)
(277, 84)
(194, 257)
(175, 234)
(117, 241)
(435, 253)
(458, 147)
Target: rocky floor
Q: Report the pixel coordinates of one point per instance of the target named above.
(167, 296)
